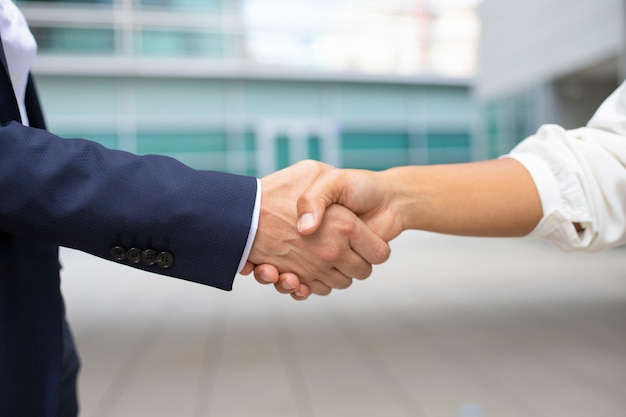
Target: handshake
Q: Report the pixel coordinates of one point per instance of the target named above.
(321, 227)
(316, 232)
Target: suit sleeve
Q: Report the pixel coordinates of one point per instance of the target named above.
(150, 212)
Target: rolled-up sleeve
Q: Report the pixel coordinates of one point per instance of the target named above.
(580, 176)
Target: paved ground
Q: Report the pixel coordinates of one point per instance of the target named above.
(449, 327)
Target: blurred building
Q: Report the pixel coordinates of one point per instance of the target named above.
(249, 86)
(545, 62)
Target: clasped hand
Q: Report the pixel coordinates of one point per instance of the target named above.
(306, 243)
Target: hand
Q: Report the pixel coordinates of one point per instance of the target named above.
(343, 247)
(368, 194)
(286, 283)
(487, 198)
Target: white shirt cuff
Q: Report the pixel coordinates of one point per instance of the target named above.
(254, 226)
(556, 225)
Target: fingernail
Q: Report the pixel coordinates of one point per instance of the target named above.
(287, 286)
(264, 278)
(298, 293)
(306, 222)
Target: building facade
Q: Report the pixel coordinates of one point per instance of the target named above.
(545, 62)
(190, 79)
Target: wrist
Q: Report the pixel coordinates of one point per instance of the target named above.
(402, 196)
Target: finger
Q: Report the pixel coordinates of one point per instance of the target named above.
(319, 288)
(368, 245)
(266, 274)
(302, 293)
(247, 268)
(312, 203)
(332, 278)
(347, 227)
(351, 264)
(287, 283)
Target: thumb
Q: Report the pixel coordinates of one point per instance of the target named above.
(248, 267)
(325, 190)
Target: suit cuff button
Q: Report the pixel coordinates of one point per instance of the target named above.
(165, 260)
(118, 253)
(148, 257)
(133, 255)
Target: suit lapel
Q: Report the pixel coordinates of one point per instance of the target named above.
(8, 105)
(33, 106)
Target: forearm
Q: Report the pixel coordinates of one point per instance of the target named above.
(78, 194)
(490, 198)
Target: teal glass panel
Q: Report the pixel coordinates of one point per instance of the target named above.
(492, 129)
(250, 141)
(374, 159)
(165, 143)
(522, 111)
(448, 140)
(282, 152)
(376, 140)
(175, 43)
(448, 156)
(314, 148)
(74, 40)
(374, 150)
(448, 147)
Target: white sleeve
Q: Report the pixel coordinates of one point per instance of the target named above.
(254, 226)
(581, 178)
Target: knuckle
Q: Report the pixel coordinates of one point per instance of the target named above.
(332, 254)
(344, 226)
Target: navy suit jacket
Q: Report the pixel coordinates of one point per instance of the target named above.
(76, 193)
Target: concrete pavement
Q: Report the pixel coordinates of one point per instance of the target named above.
(449, 327)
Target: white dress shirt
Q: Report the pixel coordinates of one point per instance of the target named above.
(20, 50)
(254, 226)
(581, 178)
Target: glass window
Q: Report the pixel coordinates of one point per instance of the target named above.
(166, 143)
(177, 43)
(74, 40)
(438, 140)
(282, 152)
(369, 140)
(448, 147)
(448, 156)
(492, 128)
(377, 150)
(314, 148)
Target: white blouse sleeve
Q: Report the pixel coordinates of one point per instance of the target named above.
(581, 178)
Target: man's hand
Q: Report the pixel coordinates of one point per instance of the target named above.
(342, 248)
(366, 193)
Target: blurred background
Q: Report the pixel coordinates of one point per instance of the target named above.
(249, 86)
(449, 327)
